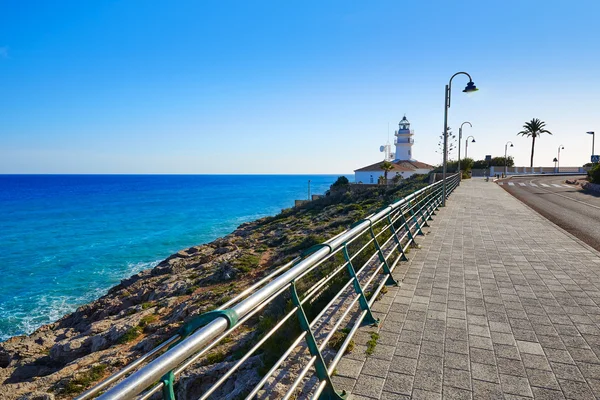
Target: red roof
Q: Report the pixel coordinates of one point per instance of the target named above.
(397, 165)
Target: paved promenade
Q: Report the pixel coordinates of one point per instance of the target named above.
(498, 303)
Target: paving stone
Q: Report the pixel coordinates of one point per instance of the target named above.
(349, 368)
(530, 347)
(428, 380)
(485, 372)
(546, 394)
(399, 383)
(487, 390)
(457, 378)
(403, 365)
(540, 378)
(515, 385)
(376, 367)
(420, 394)
(367, 385)
(576, 390)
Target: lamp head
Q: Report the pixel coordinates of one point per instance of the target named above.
(470, 87)
(590, 133)
(555, 159)
(511, 145)
(473, 141)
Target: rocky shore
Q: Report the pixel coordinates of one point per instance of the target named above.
(62, 359)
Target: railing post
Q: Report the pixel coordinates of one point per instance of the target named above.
(362, 299)
(167, 389)
(386, 268)
(396, 239)
(329, 393)
(412, 214)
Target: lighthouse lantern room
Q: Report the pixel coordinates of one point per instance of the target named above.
(404, 141)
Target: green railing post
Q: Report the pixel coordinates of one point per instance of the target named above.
(167, 389)
(396, 239)
(362, 299)
(411, 238)
(412, 214)
(329, 393)
(386, 268)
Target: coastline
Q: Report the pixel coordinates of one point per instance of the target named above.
(146, 308)
(69, 239)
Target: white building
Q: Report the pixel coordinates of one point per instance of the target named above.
(403, 163)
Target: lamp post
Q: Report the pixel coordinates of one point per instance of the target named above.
(558, 159)
(505, 157)
(593, 137)
(467, 144)
(459, 140)
(468, 89)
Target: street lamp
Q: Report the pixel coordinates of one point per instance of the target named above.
(593, 137)
(558, 159)
(468, 89)
(506, 158)
(555, 161)
(467, 144)
(459, 139)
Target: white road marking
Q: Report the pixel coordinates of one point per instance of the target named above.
(568, 186)
(544, 185)
(522, 184)
(556, 185)
(533, 184)
(500, 183)
(511, 184)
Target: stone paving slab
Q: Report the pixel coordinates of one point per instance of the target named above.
(498, 303)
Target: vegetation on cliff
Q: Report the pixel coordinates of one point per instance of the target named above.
(68, 356)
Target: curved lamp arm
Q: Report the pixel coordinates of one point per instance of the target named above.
(450, 85)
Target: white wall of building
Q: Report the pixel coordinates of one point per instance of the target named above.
(372, 176)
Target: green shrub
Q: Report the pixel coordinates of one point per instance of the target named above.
(341, 181)
(246, 263)
(131, 334)
(214, 358)
(594, 174)
(83, 380)
(372, 343)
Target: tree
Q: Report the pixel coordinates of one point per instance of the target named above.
(386, 166)
(341, 181)
(533, 129)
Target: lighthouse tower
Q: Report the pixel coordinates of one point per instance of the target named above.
(404, 140)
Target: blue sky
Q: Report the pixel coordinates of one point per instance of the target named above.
(287, 87)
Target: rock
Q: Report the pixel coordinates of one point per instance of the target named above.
(37, 396)
(224, 272)
(99, 342)
(4, 359)
(69, 350)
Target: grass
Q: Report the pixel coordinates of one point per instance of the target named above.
(147, 305)
(130, 335)
(337, 339)
(147, 320)
(246, 263)
(216, 357)
(372, 343)
(83, 380)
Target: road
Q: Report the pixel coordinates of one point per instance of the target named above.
(568, 206)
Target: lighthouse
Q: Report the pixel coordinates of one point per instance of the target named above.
(403, 164)
(404, 140)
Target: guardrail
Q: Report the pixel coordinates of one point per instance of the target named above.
(331, 286)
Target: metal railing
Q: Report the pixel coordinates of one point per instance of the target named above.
(345, 275)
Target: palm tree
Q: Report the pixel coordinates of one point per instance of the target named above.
(386, 166)
(533, 129)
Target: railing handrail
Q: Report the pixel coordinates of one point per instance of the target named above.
(156, 369)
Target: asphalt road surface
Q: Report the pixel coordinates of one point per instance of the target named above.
(568, 206)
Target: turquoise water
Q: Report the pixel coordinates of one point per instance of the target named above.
(66, 239)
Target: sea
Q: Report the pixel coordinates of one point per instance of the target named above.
(66, 239)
